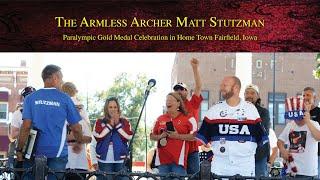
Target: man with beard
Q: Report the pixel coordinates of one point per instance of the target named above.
(309, 95)
(251, 94)
(234, 129)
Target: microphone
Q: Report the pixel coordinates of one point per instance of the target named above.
(151, 84)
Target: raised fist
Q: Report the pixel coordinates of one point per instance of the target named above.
(194, 62)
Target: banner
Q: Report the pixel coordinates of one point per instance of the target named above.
(157, 26)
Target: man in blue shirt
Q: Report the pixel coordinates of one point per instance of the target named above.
(49, 110)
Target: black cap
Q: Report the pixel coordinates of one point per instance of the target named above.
(27, 90)
(180, 85)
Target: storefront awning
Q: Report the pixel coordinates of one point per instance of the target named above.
(4, 96)
(4, 143)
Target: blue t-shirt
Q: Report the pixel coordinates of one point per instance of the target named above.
(50, 110)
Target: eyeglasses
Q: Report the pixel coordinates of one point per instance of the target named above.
(79, 106)
(179, 88)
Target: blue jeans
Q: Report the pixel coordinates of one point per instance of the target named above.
(10, 162)
(111, 167)
(53, 163)
(167, 168)
(318, 166)
(193, 165)
(261, 167)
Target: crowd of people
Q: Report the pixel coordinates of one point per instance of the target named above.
(234, 132)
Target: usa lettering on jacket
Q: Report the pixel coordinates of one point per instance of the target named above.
(233, 129)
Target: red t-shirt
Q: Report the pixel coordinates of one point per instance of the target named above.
(175, 151)
(192, 107)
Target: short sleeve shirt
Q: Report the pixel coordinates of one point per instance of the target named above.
(50, 110)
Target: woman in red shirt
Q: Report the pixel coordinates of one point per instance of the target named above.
(172, 130)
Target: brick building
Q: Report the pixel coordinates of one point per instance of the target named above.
(293, 72)
(12, 81)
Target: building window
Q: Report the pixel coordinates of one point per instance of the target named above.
(232, 64)
(6, 79)
(279, 104)
(204, 104)
(259, 74)
(259, 64)
(220, 96)
(22, 79)
(3, 111)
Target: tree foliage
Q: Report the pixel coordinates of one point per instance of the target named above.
(316, 72)
(130, 93)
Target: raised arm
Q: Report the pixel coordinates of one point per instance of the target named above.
(196, 74)
(313, 127)
(315, 132)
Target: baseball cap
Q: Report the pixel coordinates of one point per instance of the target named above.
(180, 85)
(27, 90)
(254, 87)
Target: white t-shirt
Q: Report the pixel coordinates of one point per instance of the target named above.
(17, 118)
(79, 161)
(110, 156)
(303, 147)
(83, 113)
(272, 139)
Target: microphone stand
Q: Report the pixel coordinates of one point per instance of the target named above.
(126, 160)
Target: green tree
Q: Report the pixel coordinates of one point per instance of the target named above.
(130, 93)
(316, 72)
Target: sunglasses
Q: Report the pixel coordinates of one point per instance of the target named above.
(179, 88)
(79, 107)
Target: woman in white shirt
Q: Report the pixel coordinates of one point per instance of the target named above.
(77, 156)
